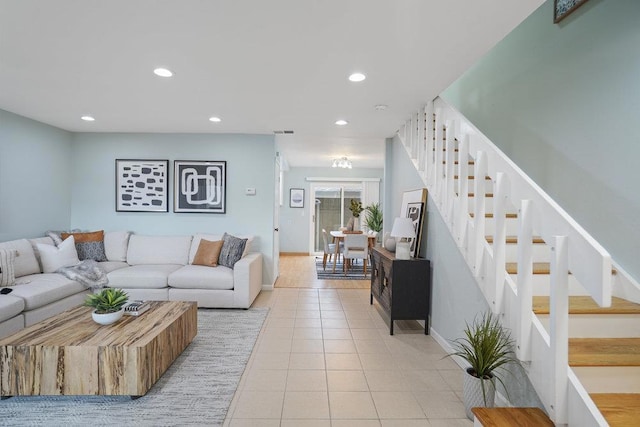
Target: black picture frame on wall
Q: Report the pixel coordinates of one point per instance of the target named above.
(563, 8)
(296, 198)
(142, 185)
(200, 186)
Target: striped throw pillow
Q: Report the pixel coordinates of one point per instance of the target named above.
(7, 268)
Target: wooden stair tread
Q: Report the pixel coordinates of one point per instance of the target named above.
(490, 215)
(487, 177)
(514, 240)
(619, 409)
(604, 351)
(538, 267)
(471, 162)
(508, 417)
(586, 305)
(474, 194)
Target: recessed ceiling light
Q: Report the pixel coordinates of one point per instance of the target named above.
(381, 107)
(88, 118)
(215, 119)
(357, 77)
(163, 72)
(341, 122)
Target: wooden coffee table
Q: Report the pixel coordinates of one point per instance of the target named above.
(70, 354)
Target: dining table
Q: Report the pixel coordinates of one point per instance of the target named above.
(338, 236)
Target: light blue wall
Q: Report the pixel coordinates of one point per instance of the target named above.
(35, 177)
(294, 222)
(250, 163)
(563, 101)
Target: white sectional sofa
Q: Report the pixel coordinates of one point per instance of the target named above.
(147, 267)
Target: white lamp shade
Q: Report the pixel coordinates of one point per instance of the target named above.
(403, 227)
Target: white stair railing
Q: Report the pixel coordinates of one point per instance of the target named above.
(574, 251)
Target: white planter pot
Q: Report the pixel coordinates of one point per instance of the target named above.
(473, 396)
(107, 318)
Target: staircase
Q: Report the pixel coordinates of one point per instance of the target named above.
(574, 313)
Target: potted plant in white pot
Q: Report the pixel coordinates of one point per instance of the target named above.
(108, 305)
(487, 347)
(356, 208)
(373, 219)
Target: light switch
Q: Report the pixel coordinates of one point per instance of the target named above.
(250, 191)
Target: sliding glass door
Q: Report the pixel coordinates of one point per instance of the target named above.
(331, 201)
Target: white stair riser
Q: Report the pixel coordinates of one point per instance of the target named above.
(541, 284)
(490, 226)
(609, 379)
(488, 186)
(600, 325)
(540, 253)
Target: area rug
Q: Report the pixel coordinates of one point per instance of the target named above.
(196, 389)
(356, 272)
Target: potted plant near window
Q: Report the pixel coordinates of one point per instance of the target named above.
(373, 219)
(486, 347)
(108, 305)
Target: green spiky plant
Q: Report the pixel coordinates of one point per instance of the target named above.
(373, 219)
(108, 300)
(487, 347)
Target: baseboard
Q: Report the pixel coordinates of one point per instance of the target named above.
(294, 253)
(267, 287)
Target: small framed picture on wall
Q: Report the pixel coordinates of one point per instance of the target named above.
(296, 198)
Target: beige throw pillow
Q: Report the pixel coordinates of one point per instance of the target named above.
(208, 253)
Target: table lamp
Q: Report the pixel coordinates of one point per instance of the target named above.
(403, 228)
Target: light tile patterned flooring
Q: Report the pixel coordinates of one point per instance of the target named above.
(325, 358)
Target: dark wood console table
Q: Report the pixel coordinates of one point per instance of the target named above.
(401, 287)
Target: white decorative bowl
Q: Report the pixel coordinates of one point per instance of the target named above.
(107, 318)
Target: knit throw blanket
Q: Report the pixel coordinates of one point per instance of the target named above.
(87, 273)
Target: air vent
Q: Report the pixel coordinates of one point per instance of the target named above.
(283, 132)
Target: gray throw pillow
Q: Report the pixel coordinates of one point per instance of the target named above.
(231, 252)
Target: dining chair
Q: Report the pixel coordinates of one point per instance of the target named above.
(356, 246)
(329, 249)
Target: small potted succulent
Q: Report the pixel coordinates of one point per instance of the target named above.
(107, 304)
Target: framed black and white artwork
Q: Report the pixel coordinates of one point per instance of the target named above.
(563, 8)
(142, 185)
(200, 186)
(413, 205)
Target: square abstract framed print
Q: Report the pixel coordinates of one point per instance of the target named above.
(142, 185)
(200, 186)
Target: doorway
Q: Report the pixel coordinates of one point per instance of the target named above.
(331, 201)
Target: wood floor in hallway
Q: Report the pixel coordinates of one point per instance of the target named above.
(299, 271)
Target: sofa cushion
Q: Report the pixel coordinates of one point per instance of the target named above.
(232, 250)
(34, 246)
(201, 277)
(151, 276)
(109, 266)
(89, 245)
(38, 290)
(10, 306)
(213, 237)
(208, 253)
(7, 267)
(53, 257)
(158, 249)
(26, 262)
(116, 244)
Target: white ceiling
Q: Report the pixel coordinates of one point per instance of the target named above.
(259, 65)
